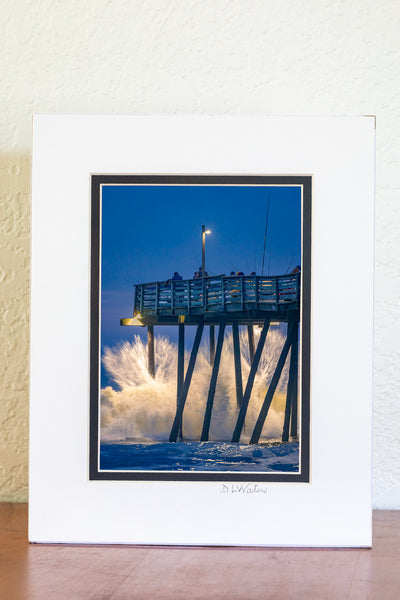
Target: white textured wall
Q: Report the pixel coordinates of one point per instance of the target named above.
(205, 56)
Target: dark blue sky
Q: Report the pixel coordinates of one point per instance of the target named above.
(148, 232)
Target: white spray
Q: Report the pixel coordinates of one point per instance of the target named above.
(144, 408)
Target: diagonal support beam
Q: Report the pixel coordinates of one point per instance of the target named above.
(272, 387)
(250, 381)
(213, 383)
(238, 366)
(177, 424)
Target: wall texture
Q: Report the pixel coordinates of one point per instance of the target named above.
(205, 56)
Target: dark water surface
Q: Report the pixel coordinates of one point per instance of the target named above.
(199, 456)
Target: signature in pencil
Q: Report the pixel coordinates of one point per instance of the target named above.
(242, 488)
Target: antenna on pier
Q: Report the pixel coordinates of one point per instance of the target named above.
(265, 236)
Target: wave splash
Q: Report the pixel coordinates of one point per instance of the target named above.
(143, 409)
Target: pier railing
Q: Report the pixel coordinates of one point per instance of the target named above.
(218, 294)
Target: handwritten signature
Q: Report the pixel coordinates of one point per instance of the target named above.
(242, 488)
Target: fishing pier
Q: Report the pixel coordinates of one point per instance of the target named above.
(225, 301)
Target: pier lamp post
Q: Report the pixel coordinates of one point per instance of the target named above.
(204, 232)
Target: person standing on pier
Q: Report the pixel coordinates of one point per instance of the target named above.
(199, 274)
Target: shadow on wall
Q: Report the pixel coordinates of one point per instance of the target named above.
(14, 320)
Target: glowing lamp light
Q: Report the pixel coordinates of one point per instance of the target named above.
(134, 321)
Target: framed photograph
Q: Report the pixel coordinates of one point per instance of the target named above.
(201, 330)
(178, 400)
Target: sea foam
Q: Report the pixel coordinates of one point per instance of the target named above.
(142, 408)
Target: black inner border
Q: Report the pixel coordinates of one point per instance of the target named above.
(96, 182)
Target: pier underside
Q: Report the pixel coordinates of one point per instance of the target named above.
(249, 317)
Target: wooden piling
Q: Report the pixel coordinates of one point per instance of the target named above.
(212, 344)
(238, 365)
(288, 407)
(250, 334)
(291, 386)
(295, 357)
(272, 387)
(185, 388)
(150, 350)
(181, 367)
(250, 381)
(213, 383)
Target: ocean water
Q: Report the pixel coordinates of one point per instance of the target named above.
(137, 411)
(199, 456)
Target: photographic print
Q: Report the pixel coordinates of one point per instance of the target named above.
(200, 327)
(203, 249)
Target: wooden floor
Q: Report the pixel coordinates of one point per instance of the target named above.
(125, 573)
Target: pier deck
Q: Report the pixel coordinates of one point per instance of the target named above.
(232, 299)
